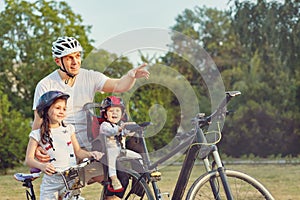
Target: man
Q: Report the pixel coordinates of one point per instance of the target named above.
(81, 84)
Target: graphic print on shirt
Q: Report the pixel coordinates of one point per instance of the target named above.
(63, 156)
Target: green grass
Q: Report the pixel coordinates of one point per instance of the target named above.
(283, 181)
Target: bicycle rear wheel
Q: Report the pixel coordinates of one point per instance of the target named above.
(135, 189)
(242, 187)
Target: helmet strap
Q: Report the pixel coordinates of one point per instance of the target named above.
(64, 70)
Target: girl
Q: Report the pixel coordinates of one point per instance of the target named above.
(58, 140)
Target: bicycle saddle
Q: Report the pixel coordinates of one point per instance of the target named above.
(22, 177)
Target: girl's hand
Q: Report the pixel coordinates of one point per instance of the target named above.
(48, 168)
(96, 154)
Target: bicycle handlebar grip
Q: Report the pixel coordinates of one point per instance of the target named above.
(136, 127)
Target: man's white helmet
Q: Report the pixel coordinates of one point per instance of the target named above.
(64, 46)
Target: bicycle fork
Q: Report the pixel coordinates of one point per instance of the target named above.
(221, 170)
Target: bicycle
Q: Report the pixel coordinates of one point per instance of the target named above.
(73, 178)
(217, 183)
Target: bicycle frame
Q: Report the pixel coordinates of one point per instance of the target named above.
(188, 164)
(197, 147)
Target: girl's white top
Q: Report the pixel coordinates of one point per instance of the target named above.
(62, 150)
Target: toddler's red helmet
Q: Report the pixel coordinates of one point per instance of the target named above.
(112, 101)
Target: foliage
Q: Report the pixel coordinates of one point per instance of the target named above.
(14, 130)
(255, 46)
(141, 105)
(270, 27)
(252, 48)
(26, 35)
(27, 30)
(269, 107)
(103, 61)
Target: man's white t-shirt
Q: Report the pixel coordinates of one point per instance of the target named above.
(62, 152)
(87, 83)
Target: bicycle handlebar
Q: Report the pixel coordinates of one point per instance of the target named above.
(136, 127)
(221, 109)
(24, 176)
(85, 162)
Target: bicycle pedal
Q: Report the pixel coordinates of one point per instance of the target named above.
(156, 176)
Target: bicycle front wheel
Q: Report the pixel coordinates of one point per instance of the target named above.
(136, 188)
(242, 186)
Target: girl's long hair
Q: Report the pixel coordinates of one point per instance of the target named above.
(45, 127)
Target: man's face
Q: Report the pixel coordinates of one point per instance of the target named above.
(72, 62)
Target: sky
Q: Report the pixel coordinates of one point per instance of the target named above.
(112, 17)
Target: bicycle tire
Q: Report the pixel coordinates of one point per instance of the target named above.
(128, 195)
(242, 186)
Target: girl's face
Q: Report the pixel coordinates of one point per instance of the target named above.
(114, 114)
(57, 112)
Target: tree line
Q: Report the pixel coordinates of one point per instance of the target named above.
(255, 46)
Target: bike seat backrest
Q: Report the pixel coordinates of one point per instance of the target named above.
(93, 117)
(26, 177)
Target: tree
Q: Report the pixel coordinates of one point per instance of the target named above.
(264, 122)
(26, 35)
(270, 27)
(267, 32)
(27, 31)
(251, 47)
(14, 130)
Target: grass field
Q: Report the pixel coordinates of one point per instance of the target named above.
(283, 181)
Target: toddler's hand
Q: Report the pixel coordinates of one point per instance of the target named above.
(123, 125)
(130, 134)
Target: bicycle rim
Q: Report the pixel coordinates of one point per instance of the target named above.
(135, 190)
(242, 187)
